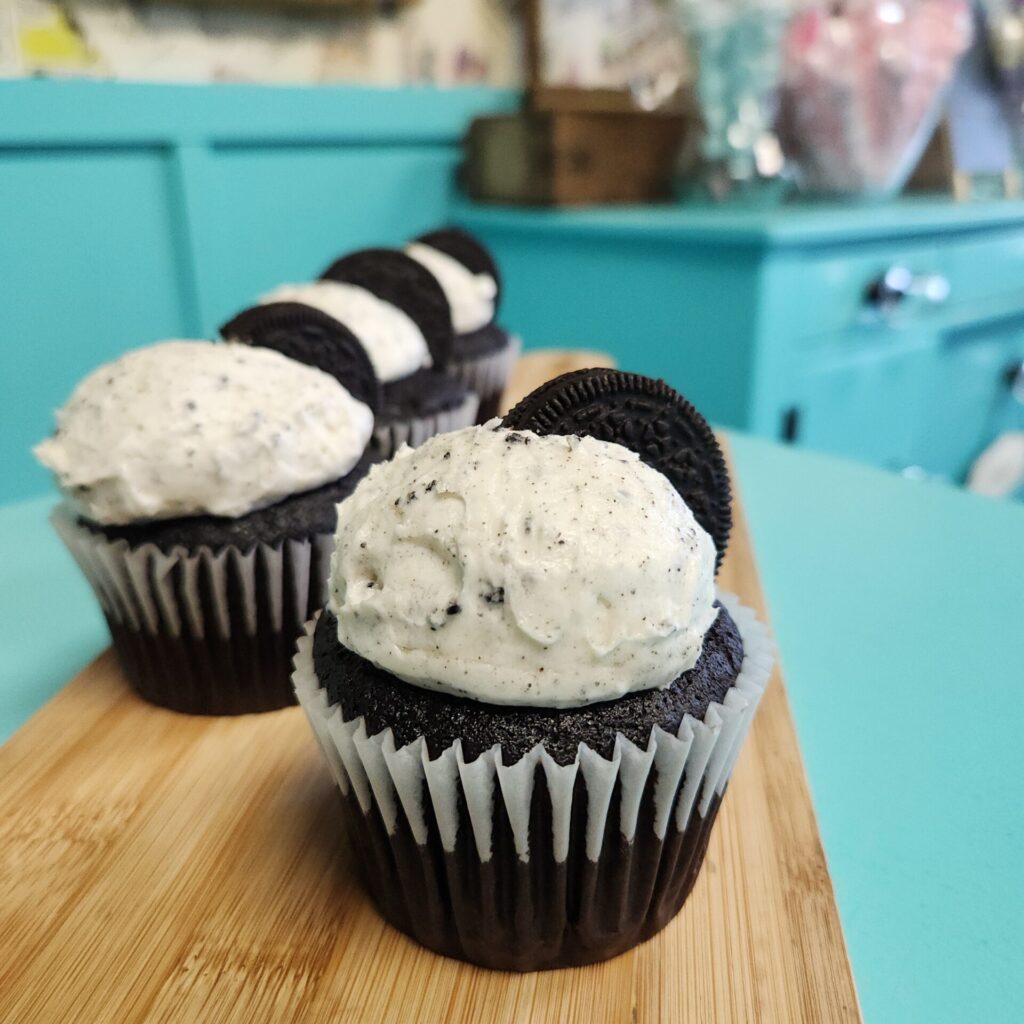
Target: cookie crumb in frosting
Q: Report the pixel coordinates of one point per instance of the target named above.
(542, 579)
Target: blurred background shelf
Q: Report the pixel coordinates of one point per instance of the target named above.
(190, 200)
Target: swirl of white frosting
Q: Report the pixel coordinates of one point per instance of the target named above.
(523, 570)
(392, 340)
(471, 296)
(185, 428)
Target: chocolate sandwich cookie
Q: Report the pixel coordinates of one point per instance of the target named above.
(363, 690)
(396, 278)
(469, 251)
(648, 417)
(312, 337)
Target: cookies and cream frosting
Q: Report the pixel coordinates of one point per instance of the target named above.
(471, 296)
(395, 344)
(524, 570)
(185, 428)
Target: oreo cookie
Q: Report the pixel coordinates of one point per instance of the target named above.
(651, 419)
(309, 336)
(398, 279)
(462, 246)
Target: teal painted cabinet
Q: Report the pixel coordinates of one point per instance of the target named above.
(886, 334)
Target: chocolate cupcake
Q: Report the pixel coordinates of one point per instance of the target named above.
(201, 483)
(527, 686)
(399, 313)
(482, 351)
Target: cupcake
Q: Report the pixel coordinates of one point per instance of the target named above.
(397, 313)
(525, 682)
(201, 482)
(482, 352)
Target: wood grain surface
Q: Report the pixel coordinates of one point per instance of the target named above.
(156, 867)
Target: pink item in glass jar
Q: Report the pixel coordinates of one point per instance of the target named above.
(863, 85)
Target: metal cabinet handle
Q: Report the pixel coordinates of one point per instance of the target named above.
(1014, 376)
(898, 283)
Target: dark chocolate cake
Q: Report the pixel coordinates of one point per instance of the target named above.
(362, 689)
(484, 342)
(423, 394)
(297, 516)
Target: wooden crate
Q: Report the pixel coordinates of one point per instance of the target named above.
(570, 157)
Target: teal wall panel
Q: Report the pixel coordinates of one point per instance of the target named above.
(130, 213)
(272, 215)
(89, 267)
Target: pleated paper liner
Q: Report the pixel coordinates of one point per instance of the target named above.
(389, 437)
(536, 865)
(487, 376)
(201, 631)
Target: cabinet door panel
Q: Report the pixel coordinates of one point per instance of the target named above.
(970, 400)
(869, 403)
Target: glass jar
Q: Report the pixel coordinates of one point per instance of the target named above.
(864, 84)
(735, 45)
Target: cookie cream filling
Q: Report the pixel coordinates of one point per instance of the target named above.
(471, 296)
(185, 428)
(525, 570)
(392, 340)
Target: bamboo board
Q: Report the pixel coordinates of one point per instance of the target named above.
(156, 867)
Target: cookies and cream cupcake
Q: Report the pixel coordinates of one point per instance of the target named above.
(525, 681)
(482, 351)
(201, 481)
(395, 310)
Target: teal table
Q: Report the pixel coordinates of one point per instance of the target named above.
(899, 612)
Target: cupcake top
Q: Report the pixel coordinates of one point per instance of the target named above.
(521, 569)
(184, 428)
(472, 296)
(392, 339)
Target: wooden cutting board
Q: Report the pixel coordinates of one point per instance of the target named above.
(156, 867)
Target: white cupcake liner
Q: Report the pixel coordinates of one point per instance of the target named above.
(389, 437)
(487, 375)
(157, 592)
(691, 767)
